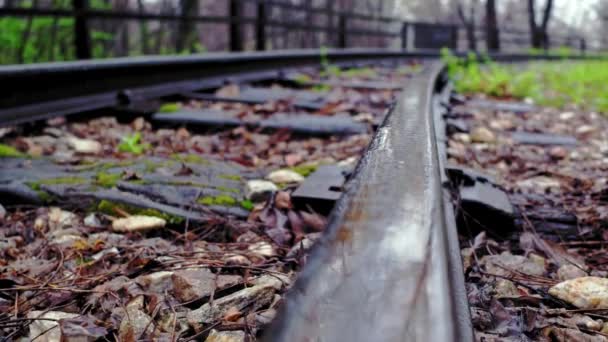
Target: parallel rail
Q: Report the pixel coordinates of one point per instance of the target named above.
(388, 267)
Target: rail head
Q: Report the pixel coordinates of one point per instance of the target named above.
(381, 273)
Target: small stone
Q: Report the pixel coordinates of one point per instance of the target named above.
(585, 130)
(482, 135)
(137, 223)
(67, 239)
(157, 282)
(92, 221)
(566, 116)
(110, 251)
(237, 260)
(604, 328)
(226, 336)
(262, 248)
(501, 124)
(586, 322)
(505, 264)
(506, 289)
(47, 325)
(349, 163)
(462, 137)
(135, 321)
(584, 292)
(540, 182)
(251, 298)
(285, 177)
(84, 146)
(192, 284)
(139, 124)
(60, 219)
(275, 280)
(259, 190)
(568, 271)
(558, 152)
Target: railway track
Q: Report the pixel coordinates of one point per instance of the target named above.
(284, 196)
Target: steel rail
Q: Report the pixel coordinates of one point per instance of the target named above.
(39, 91)
(384, 271)
(32, 92)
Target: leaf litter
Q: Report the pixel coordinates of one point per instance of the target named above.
(542, 277)
(72, 271)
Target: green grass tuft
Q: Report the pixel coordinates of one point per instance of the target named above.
(555, 84)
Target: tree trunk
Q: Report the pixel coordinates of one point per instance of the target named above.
(538, 33)
(185, 30)
(492, 35)
(236, 36)
(143, 29)
(545, 23)
(82, 40)
(469, 25)
(25, 36)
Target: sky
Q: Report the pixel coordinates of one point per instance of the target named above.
(572, 11)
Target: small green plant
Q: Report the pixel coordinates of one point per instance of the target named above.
(132, 144)
(327, 67)
(171, 107)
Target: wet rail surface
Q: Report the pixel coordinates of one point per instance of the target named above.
(386, 265)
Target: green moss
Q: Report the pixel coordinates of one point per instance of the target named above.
(360, 72)
(107, 180)
(190, 158)
(237, 178)
(222, 200)
(170, 107)
(227, 189)
(321, 88)
(104, 166)
(304, 170)
(55, 181)
(108, 207)
(9, 151)
(247, 205)
(302, 79)
(187, 183)
(45, 196)
(132, 144)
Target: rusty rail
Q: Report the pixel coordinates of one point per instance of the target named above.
(384, 271)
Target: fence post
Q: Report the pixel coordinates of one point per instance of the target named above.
(236, 38)
(583, 46)
(260, 26)
(342, 39)
(82, 41)
(404, 29)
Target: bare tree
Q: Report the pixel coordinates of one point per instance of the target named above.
(538, 32)
(492, 34)
(469, 22)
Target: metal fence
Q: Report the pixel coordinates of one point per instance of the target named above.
(253, 25)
